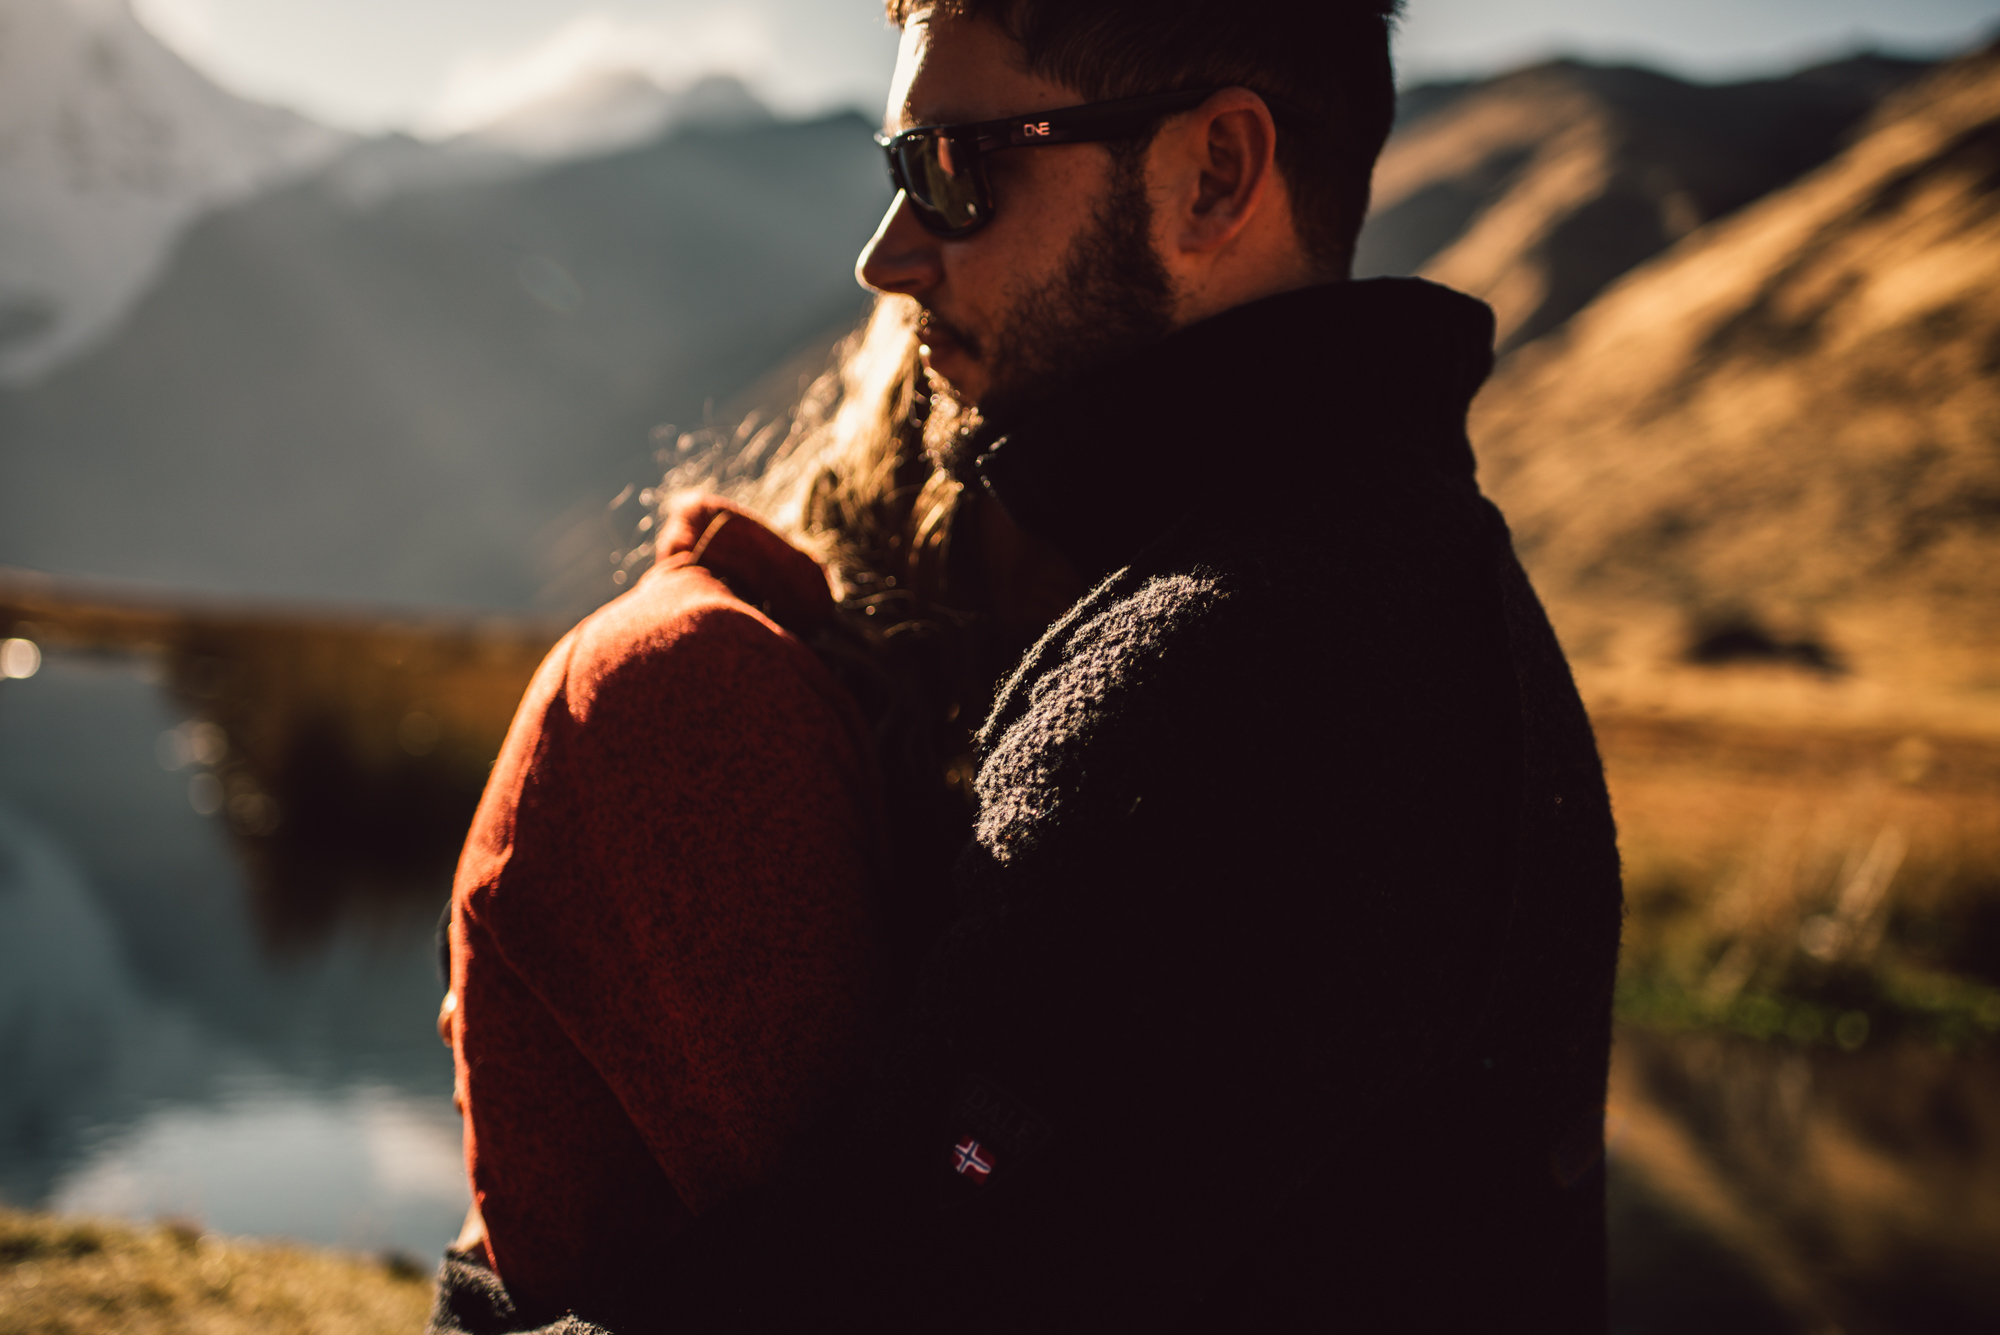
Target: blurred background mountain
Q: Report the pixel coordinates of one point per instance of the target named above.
(110, 145)
(387, 371)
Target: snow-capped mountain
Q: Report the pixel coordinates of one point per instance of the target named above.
(110, 144)
(608, 110)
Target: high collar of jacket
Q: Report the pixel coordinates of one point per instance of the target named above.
(1350, 378)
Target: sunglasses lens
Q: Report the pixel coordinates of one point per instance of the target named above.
(942, 180)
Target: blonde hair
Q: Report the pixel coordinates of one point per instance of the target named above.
(850, 475)
(846, 475)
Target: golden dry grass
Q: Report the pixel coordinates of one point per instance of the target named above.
(1787, 421)
(70, 1277)
(1809, 879)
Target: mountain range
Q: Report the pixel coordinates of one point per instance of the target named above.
(412, 373)
(1780, 439)
(388, 398)
(1535, 189)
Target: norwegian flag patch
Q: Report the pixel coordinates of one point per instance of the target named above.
(987, 1129)
(971, 1160)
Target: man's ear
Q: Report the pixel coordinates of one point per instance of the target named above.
(1220, 171)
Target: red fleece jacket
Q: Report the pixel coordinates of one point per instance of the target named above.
(662, 936)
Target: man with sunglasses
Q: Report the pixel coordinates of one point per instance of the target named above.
(1280, 991)
(1278, 995)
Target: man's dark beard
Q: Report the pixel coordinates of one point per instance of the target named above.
(1110, 296)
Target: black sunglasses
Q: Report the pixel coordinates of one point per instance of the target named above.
(938, 167)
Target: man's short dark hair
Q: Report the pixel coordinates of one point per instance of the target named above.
(1324, 63)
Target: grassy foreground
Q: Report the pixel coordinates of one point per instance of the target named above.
(68, 1277)
(1804, 865)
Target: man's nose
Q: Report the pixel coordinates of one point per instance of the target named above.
(901, 257)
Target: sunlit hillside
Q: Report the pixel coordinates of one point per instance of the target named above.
(1756, 481)
(1777, 442)
(1535, 189)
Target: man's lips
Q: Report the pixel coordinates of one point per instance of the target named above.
(943, 342)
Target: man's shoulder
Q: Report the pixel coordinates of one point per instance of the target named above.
(1126, 633)
(1141, 614)
(1293, 620)
(1300, 570)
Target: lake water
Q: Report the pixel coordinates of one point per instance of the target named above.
(157, 1057)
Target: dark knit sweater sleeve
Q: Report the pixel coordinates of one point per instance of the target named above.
(663, 940)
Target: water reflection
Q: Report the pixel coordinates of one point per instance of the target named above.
(368, 1167)
(158, 1056)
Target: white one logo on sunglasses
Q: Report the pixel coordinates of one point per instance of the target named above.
(1035, 127)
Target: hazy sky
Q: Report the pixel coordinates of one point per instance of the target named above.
(442, 64)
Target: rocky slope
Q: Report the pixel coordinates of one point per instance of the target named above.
(1781, 440)
(1535, 189)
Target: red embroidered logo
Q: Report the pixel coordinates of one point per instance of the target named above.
(974, 1160)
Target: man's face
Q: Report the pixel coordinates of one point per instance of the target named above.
(1064, 274)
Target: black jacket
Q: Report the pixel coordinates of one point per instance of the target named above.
(1279, 992)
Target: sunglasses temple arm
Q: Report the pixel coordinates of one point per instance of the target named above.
(1082, 125)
